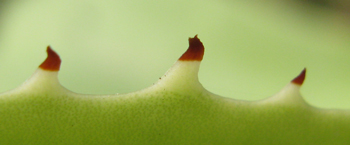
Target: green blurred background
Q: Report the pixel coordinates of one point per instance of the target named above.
(253, 48)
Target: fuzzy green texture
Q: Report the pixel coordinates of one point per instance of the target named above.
(175, 110)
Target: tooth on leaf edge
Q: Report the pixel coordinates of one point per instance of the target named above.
(299, 80)
(183, 75)
(52, 62)
(290, 94)
(44, 79)
(195, 50)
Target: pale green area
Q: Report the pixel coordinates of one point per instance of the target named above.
(252, 48)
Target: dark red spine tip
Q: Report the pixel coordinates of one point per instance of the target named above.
(299, 80)
(195, 50)
(52, 62)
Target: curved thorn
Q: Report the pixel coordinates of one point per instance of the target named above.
(52, 62)
(195, 50)
(300, 79)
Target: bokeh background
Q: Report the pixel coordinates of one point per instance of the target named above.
(253, 48)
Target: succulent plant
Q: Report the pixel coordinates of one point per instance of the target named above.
(175, 110)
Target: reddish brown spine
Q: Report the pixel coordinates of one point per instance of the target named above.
(195, 50)
(300, 79)
(52, 62)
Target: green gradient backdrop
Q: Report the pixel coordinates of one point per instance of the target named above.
(252, 49)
